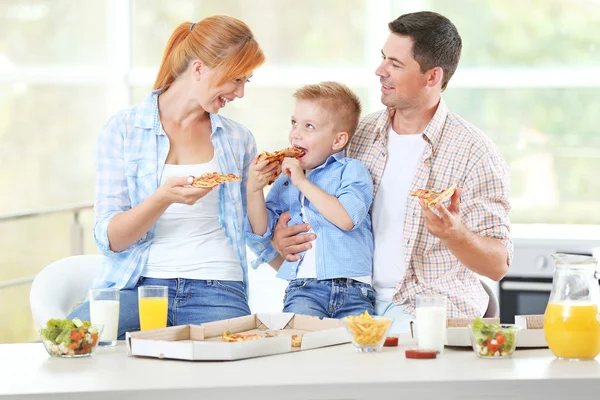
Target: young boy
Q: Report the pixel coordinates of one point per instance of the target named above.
(333, 278)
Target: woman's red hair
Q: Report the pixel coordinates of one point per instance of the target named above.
(223, 43)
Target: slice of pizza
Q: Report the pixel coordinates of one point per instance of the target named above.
(292, 152)
(278, 156)
(211, 179)
(239, 337)
(431, 198)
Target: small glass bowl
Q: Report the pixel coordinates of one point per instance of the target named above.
(85, 347)
(496, 342)
(368, 335)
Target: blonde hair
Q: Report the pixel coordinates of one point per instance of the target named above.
(221, 42)
(338, 99)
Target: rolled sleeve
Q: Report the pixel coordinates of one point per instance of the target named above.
(356, 191)
(486, 204)
(259, 244)
(112, 196)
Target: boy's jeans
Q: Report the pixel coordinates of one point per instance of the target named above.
(191, 301)
(331, 298)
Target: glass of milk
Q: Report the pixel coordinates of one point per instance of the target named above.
(104, 310)
(431, 322)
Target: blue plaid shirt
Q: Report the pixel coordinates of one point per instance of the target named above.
(132, 149)
(339, 253)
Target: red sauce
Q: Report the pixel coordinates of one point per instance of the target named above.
(420, 354)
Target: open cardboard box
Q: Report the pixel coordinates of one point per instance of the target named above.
(204, 342)
(457, 333)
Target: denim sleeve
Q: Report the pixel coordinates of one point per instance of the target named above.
(356, 191)
(250, 153)
(112, 195)
(261, 245)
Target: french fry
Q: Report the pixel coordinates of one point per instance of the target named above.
(367, 331)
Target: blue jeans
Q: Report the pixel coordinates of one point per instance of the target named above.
(190, 302)
(331, 298)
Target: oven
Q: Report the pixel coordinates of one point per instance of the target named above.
(523, 296)
(526, 287)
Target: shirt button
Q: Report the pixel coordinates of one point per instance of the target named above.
(414, 214)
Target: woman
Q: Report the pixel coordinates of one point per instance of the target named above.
(152, 227)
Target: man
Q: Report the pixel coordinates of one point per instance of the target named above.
(417, 143)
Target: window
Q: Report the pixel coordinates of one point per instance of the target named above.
(528, 78)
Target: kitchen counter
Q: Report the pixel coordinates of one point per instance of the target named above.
(337, 372)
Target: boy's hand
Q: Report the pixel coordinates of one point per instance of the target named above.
(260, 174)
(291, 167)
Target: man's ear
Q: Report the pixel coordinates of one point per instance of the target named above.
(435, 76)
(341, 139)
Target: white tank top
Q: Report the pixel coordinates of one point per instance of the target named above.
(389, 206)
(189, 241)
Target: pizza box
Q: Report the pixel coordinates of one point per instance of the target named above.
(205, 342)
(457, 332)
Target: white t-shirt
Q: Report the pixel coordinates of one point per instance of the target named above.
(389, 207)
(189, 241)
(308, 267)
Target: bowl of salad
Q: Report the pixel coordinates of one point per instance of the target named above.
(70, 338)
(493, 340)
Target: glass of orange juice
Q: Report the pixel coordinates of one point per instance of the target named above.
(571, 320)
(153, 306)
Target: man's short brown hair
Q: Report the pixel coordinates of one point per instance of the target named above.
(436, 42)
(338, 99)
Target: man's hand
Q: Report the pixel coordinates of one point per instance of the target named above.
(286, 240)
(448, 226)
(485, 256)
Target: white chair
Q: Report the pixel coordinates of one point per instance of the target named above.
(61, 285)
(493, 310)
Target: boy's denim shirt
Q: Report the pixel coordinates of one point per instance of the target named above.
(339, 253)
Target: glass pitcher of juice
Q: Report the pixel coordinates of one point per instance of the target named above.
(571, 320)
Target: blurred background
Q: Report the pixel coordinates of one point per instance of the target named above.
(528, 77)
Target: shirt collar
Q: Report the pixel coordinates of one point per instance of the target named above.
(147, 111)
(147, 116)
(339, 156)
(433, 130)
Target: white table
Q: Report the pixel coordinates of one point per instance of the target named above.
(26, 371)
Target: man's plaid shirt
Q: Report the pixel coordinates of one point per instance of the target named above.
(455, 151)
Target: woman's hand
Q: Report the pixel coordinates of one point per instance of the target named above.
(179, 190)
(261, 174)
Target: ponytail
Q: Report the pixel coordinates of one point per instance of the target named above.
(172, 57)
(221, 42)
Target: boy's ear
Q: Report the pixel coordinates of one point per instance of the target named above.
(341, 139)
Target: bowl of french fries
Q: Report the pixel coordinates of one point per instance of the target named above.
(368, 332)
